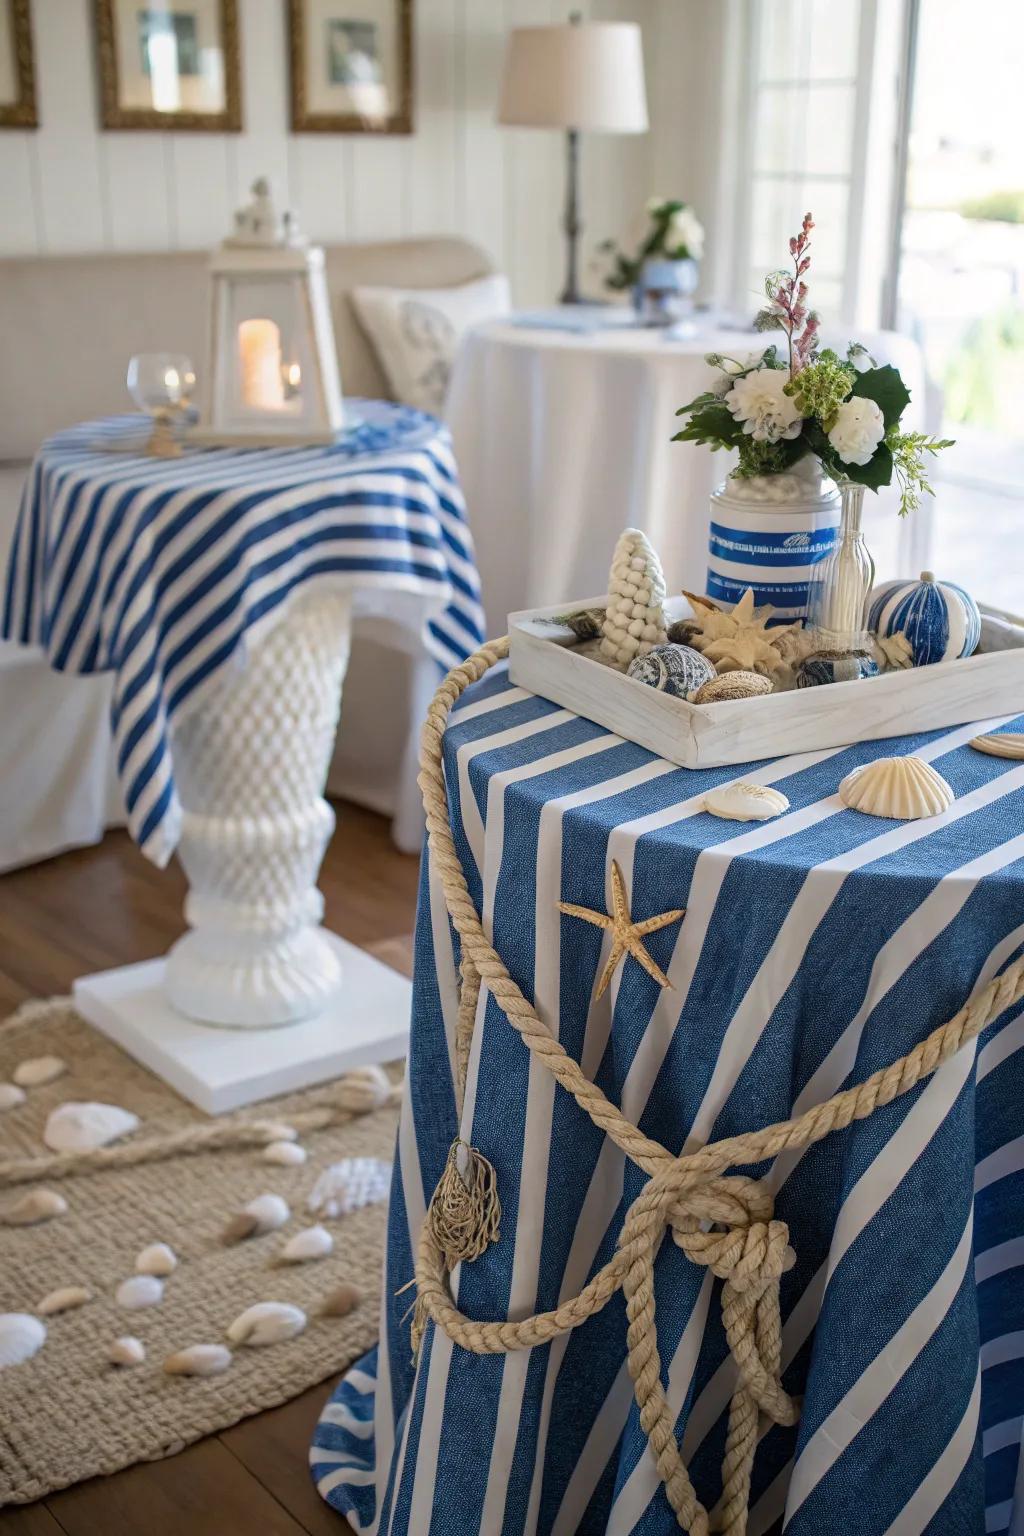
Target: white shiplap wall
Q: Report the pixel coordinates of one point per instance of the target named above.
(69, 187)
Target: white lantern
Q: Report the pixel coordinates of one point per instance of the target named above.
(273, 365)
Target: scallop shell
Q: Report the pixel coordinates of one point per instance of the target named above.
(899, 788)
(11, 1096)
(127, 1350)
(139, 1291)
(731, 685)
(198, 1360)
(312, 1243)
(157, 1259)
(741, 801)
(37, 1205)
(37, 1070)
(20, 1337)
(268, 1322)
(1000, 744)
(286, 1153)
(64, 1300)
(81, 1127)
(342, 1300)
(348, 1185)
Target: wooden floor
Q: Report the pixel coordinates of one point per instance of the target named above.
(106, 906)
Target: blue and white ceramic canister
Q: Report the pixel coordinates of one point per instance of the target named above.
(940, 620)
(768, 532)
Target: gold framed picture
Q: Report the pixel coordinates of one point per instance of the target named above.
(169, 64)
(17, 67)
(351, 66)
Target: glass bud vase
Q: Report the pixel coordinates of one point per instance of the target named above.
(838, 595)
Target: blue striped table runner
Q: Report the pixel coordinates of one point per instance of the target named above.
(815, 948)
(159, 570)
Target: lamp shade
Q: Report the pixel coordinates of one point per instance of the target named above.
(587, 76)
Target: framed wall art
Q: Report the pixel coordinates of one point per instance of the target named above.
(169, 64)
(17, 67)
(351, 66)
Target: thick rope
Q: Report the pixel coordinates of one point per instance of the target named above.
(682, 1196)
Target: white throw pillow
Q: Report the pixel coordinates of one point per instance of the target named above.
(416, 332)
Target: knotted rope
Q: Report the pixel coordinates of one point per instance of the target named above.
(683, 1194)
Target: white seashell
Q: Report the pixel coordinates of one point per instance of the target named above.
(38, 1070)
(157, 1259)
(899, 788)
(37, 1205)
(312, 1243)
(139, 1291)
(11, 1096)
(731, 685)
(1000, 744)
(198, 1360)
(278, 1131)
(81, 1127)
(348, 1185)
(64, 1300)
(20, 1337)
(268, 1322)
(287, 1153)
(270, 1212)
(127, 1350)
(741, 801)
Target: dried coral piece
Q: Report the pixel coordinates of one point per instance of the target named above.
(37, 1205)
(897, 788)
(66, 1299)
(741, 641)
(268, 1322)
(634, 618)
(198, 1360)
(21, 1336)
(37, 1071)
(341, 1301)
(893, 653)
(127, 1350)
(732, 685)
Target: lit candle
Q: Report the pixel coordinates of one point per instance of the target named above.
(259, 351)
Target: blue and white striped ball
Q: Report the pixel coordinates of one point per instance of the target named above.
(940, 620)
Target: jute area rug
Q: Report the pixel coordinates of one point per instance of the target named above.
(67, 1414)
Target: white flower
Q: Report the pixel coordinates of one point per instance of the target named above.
(684, 228)
(857, 430)
(757, 400)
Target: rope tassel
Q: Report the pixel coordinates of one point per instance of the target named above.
(465, 1212)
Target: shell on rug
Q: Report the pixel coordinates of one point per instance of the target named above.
(36, 1071)
(198, 1360)
(21, 1336)
(37, 1205)
(741, 801)
(287, 1154)
(312, 1243)
(732, 685)
(1000, 744)
(82, 1127)
(898, 788)
(157, 1259)
(264, 1214)
(268, 1322)
(139, 1291)
(66, 1299)
(365, 1089)
(341, 1301)
(349, 1184)
(11, 1095)
(127, 1350)
(634, 616)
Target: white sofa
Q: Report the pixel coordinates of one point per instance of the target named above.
(68, 327)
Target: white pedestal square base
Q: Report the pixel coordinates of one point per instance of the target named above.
(221, 1069)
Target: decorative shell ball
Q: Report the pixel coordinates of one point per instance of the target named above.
(634, 618)
(940, 620)
(674, 669)
(899, 788)
(835, 667)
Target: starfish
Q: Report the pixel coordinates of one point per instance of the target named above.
(627, 936)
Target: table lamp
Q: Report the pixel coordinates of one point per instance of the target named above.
(583, 77)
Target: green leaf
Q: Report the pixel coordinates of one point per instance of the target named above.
(885, 387)
(875, 473)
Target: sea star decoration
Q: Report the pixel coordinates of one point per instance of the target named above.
(627, 936)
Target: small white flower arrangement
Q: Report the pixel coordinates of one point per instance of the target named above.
(776, 410)
(674, 233)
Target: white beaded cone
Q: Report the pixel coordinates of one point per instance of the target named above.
(634, 620)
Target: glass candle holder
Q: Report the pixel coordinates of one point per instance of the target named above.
(161, 384)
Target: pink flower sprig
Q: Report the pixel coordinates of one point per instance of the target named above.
(787, 294)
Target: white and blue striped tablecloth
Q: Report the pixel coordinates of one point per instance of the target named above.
(815, 948)
(161, 570)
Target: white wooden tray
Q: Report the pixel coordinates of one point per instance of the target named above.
(542, 660)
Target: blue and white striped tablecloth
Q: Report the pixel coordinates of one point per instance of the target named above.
(158, 570)
(815, 948)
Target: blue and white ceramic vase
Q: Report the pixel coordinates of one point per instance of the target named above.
(940, 620)
(664, 293)
(769, 532)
